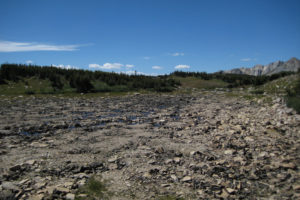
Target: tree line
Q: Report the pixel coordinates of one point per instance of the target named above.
(85, 80)
(99, 81)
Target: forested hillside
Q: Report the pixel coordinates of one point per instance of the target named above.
(84, 81)
(31, 79)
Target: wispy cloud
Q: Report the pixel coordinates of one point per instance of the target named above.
(65, 66)
(177, 54)
(106, 66)
(182, 67)
(129, 66)
(146, 58)
(8, 46)
(246, 59)
(156, 67)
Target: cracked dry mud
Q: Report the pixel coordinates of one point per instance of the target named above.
(200, 146)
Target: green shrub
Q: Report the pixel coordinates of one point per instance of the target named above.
(293, 102)
(257, 92)
(293, 96)
(94, 189)
(29, 92)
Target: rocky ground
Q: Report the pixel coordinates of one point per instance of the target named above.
(201, 146)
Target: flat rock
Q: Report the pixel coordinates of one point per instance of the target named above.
(228, 152)
(10, 186)
(70, 196)
(187, 179)
(113, 159)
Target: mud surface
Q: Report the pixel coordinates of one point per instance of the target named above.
(200, 146)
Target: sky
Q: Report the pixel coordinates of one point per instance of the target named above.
(149, 36)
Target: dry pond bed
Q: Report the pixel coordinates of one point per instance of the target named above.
(200, 146)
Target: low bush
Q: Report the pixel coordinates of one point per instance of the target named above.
(29, 92)
(94, 189)
(257, 92)
(293, 102)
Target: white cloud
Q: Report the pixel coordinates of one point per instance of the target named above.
(146, 58)
(8, 46)
(106, 66)
(177, 54)
(246, 59)
(129, 66)
(182, 67)
(132, 72)
(29, 62)
(156, 67)
(65, 66)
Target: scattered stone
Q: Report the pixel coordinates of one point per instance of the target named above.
(165, 185)
(82, 196)
(81, 183)
(159, 150)
(168, 161)
(68, 184)
(288, 165)
(296, 188)
(113, 166)
(203, 144)
(70, 196)
(30, 162)
(22, 182)
(40, 185)
(248, 139)
(39, 145)
(61, 190)
(187, 179)
(174, 178)
(147, 175)
(7, 194)
(10, 186)
(224, 194)
(230, 190)
(152, 162)
(37, 197)
(228, 152)
(177, 160)
(113, 159)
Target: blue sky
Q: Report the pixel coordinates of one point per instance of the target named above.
(149, 36)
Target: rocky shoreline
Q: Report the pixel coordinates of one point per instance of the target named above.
(201, 146)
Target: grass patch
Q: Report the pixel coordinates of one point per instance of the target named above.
(93, 189)
(279, 85)
(193, 82)
(293, 102)
(28, 86)
(257, 92)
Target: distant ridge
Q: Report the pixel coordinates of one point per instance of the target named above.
(279, 66)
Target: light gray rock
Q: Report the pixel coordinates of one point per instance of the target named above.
(187, 179)
(10, 186)
(70, 196)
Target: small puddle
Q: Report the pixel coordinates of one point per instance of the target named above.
(157, 125)
(175, 117)
(162, 106)
(26, 133)
(86, 115)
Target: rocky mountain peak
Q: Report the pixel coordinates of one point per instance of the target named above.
(275, 67)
